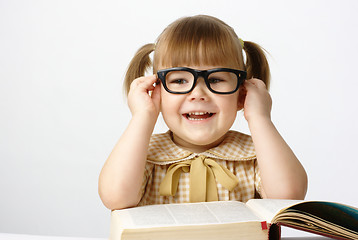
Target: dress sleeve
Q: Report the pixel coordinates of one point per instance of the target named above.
(257, 180)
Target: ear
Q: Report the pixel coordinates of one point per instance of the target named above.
(241, 98)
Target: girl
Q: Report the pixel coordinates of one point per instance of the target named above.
(198, 87)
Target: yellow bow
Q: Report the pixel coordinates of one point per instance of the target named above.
(242, 42)
(203, 173)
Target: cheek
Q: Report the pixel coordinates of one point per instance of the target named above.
(230, 103)
(163, 99)
(230, 109)
(169, 103)
(170, 106)
(231, 112)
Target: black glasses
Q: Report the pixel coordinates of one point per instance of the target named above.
(181, 80)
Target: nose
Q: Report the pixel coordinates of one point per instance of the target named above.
(200, 91)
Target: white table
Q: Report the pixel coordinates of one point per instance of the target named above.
(10, 236)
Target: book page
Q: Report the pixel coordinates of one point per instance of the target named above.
(337, 214)
(185, 214)
(232, 211)
(268, 208)
(144, 216)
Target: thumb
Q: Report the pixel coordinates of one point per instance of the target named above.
(156, 96)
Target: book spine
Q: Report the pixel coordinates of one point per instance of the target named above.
(274, 232)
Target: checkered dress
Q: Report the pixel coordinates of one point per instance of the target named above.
(236, 153)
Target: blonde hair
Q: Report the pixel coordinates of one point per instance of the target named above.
(199, 40)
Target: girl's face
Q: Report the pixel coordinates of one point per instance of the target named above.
(199, 119)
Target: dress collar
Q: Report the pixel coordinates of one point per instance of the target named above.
(236, 146)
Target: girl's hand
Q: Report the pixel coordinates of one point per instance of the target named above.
(282, 175)
(140, 101)
(258, 102)
(121, 178)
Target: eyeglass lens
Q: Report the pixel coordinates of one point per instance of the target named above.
(182, 81)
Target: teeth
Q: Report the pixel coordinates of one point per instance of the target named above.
(196, 119)
(198, 113)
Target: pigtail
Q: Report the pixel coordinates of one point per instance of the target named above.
(138, 66)
(256, 63)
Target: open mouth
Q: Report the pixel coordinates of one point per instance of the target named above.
(198, 116)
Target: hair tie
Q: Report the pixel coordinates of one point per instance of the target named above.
(241, 42)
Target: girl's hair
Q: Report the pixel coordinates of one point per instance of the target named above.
(195, 41)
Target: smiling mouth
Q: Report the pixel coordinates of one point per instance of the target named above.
(198, 116)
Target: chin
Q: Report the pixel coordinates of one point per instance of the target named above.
(203, 140)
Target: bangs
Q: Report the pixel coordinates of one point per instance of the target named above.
(195, 41)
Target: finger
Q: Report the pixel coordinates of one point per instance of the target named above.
(148, 79)
(255, 82)
(151, 79)
(144, 82)
(248, 85)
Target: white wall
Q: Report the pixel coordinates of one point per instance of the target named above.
(61, 68)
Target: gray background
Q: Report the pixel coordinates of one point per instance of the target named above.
(62, 109)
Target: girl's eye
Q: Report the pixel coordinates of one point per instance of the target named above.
(178, 81)
(215, 80)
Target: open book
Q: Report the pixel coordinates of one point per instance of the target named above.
(257, 219)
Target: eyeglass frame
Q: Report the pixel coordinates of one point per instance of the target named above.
(241, 77)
